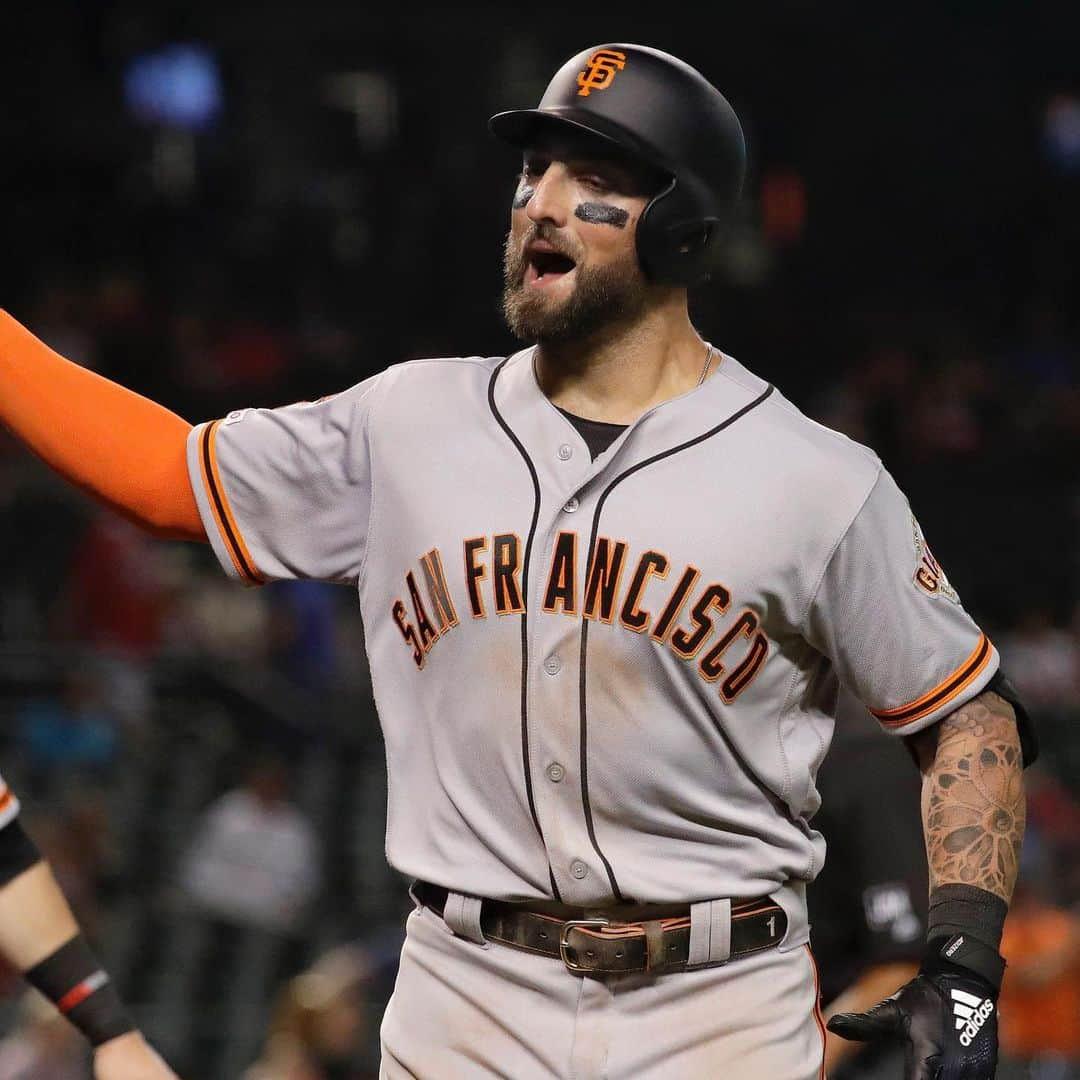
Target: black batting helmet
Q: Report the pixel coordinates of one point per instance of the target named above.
(661, 110)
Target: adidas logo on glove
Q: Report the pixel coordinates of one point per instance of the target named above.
(971, 1013)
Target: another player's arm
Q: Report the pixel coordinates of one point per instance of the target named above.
(40, 938)
(124, 449)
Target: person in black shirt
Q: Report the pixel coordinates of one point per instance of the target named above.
(868, 905)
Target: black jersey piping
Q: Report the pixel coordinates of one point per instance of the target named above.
(524, 616)
(583, 668)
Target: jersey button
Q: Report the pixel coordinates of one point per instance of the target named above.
(578, 869)
(571, 505)
(566, 452)
(553, 665)
(555, 772)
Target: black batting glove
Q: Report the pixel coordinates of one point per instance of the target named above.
(946, 1016)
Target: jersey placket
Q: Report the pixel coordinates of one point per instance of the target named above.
(554, 680)
(558, 759)
(566, 477)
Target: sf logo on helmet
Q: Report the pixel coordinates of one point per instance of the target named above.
(602, 67)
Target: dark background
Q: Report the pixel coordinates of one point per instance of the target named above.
(903, 266)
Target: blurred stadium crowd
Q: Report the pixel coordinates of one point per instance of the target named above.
(220, 211)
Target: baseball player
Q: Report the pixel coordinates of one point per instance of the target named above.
(40, 938)
(610, 586)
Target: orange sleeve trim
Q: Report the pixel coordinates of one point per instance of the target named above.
(941, 694)
(219, 506)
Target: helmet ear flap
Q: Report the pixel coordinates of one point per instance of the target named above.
(692, 237)
(675, 246)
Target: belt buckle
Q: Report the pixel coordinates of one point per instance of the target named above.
(564, 942)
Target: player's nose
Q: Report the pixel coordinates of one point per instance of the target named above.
(550, 200)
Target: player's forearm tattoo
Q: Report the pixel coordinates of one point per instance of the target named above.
(973, 798)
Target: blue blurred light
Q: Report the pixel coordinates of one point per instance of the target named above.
(1061, 132)
(178, 85)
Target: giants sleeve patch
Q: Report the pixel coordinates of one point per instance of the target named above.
(928, 574)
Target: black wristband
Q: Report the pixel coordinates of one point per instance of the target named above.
(962, 954)
(963, 930)
(73, 980)
(17, 852)
(965, 909)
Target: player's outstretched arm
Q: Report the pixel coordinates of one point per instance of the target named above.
(126, 450)
(973, 818)
(40, 938)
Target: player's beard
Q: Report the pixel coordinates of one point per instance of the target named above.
(602, 296)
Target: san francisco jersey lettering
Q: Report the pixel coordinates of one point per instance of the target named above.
(599, 575)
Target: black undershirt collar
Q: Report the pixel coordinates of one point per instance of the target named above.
(598, 434)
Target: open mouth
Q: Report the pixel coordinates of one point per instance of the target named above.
(545, 267)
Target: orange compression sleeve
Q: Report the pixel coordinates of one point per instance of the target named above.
(126, 450)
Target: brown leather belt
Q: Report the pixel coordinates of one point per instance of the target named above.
(594, 944)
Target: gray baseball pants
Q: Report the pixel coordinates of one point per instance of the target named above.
(462, 1010)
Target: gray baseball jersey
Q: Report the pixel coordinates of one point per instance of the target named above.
(598, 680)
